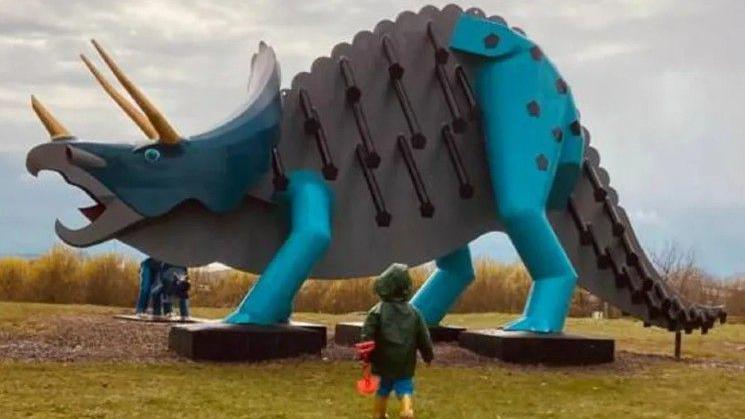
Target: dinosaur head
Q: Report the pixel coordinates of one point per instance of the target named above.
(131, 183)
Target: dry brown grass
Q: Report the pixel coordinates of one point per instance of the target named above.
(66, 276)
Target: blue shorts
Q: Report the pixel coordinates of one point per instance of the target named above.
(402, 386)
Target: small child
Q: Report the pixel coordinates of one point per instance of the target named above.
(398, 331)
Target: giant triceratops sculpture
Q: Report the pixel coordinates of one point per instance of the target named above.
(402, 146)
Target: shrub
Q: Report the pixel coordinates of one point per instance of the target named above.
(66, 276)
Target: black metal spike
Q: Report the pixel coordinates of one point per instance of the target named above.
(313, 127)
(382, 216)
(396, 71)
(646, 280)
(353, 92)
(707, 320)
(465, 86)
(672, 325)
(695, 321)
(685, 320)
(637, 290)
(311, 124)
(441, 54)
(666, 303)
(425, 205)
(372, 158)
(659, 291)
(598, 189)
(653, 304)
(722, 316)
(280, 181)
(584, 235)
(459, 123)
(620, 273)
(465, 189)
(600, 255)
(632, 258)
(328, 168)
(675, 308)
(618, 227)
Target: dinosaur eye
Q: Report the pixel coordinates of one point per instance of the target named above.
(152, 155)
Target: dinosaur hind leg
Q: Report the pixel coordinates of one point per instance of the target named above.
(553, 275)
(270, 299)
(438, 294)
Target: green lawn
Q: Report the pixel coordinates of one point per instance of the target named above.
(314, 389)
(709, 383)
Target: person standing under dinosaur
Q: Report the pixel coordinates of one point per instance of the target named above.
(398, 332)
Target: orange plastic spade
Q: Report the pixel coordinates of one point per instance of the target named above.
(368, 384)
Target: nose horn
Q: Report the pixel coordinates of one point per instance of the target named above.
(56, 130)
(84, 159)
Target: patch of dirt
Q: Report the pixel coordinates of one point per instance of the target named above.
(88, 338)
(451, 354)
(103, 338)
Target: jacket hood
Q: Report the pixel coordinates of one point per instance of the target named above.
(394, 284)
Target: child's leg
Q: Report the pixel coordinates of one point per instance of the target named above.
(183, 307)
(167, 304)
(404, 388)
(145, 283)
(380, 405)
(157, 301)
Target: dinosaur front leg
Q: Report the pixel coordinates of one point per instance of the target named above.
(270, 299)
(438, 294)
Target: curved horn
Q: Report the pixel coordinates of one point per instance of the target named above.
(138, 117)
(167, 134)
(56, 130)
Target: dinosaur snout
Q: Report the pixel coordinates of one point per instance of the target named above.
(83, 159)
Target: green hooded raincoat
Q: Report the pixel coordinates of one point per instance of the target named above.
(396, 327)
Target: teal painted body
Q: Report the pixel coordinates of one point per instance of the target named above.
(438, 294)
(309, 202)
(534, 151)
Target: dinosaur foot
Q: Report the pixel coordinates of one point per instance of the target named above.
(531, 324)
(547, 306)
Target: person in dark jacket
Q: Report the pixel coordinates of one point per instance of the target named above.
(398, 331)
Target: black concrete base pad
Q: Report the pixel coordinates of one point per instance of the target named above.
(149, 318)
(230, 342)
(537, 348)
(348, 333)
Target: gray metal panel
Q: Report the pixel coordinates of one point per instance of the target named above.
(359, 247)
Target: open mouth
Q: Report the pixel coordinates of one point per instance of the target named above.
(108, 215)
(94, 211)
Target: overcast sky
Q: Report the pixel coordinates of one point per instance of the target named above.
(660, 84)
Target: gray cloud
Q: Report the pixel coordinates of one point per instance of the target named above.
(659, 84)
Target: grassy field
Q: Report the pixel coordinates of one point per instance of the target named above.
(644, 382)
